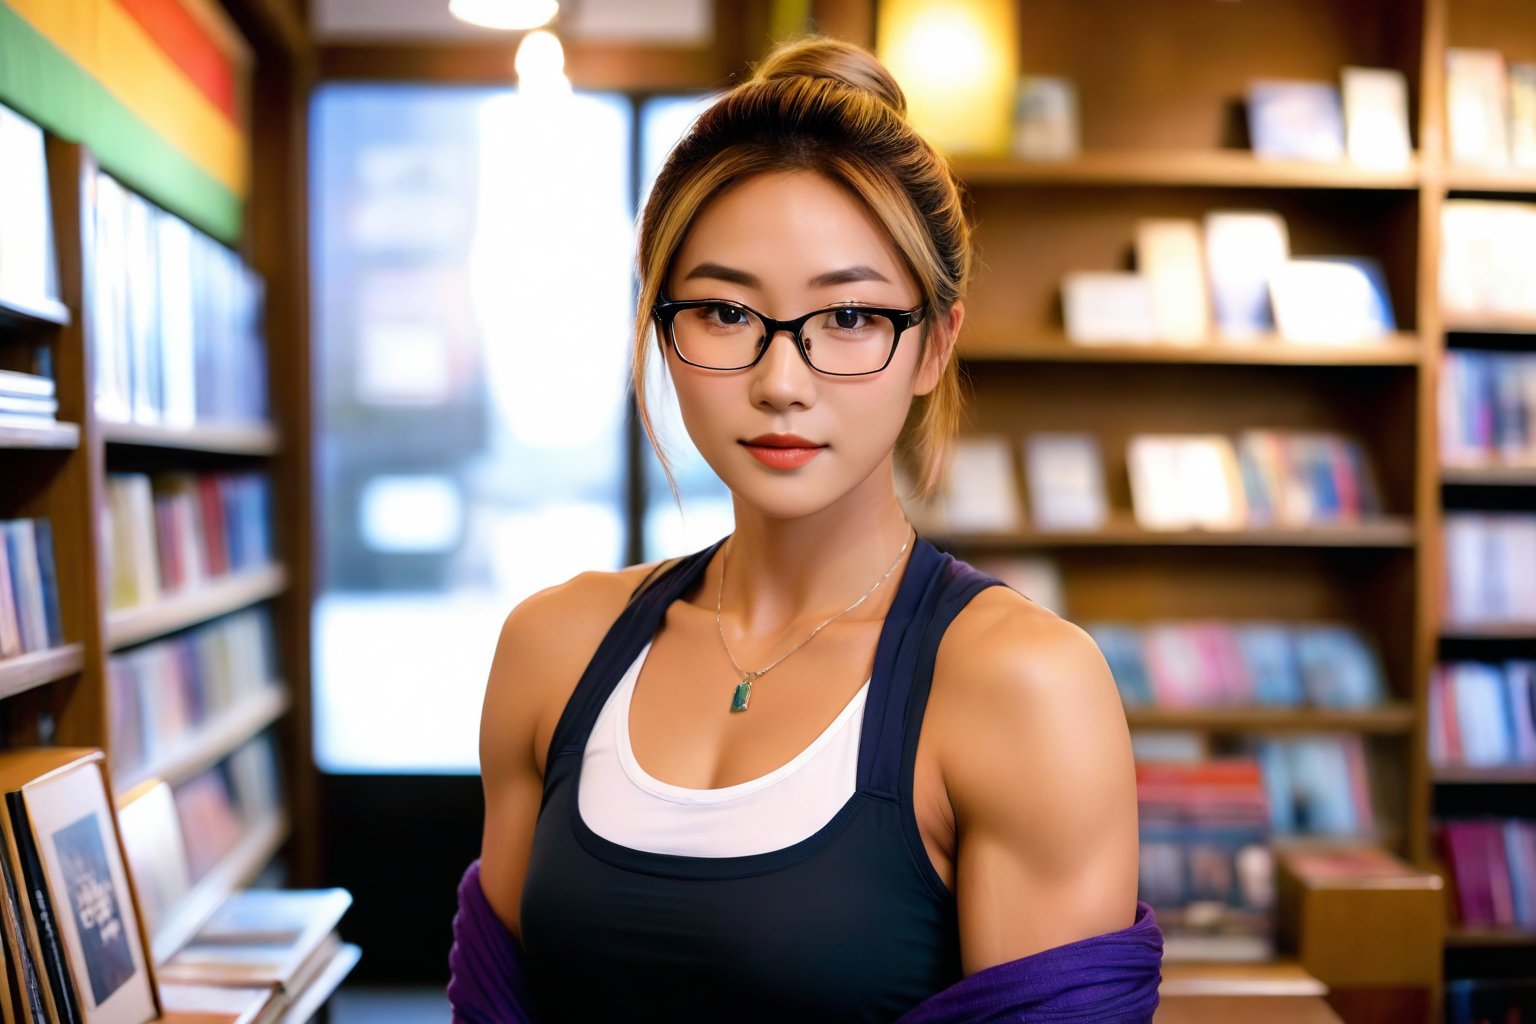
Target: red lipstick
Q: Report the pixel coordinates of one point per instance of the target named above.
(782, 451)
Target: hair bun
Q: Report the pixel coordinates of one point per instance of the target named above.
(836, 60)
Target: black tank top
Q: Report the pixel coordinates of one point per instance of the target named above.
(850, 924)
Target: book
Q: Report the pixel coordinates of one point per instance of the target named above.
(1476, 99)
(1376, 118)
(1064, 474)
(1108, 308)
(1487, 260)
(220, 1004)
(1522, 115)
(981, 488)
(1038, 579)
(1045, 123)
(1183, 482)
(28, 268)
(1243, 248)
(1331, 300)
(1170, 254)
(1296, 120)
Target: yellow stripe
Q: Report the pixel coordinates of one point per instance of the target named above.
(105, 41)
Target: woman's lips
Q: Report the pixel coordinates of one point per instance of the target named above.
(782, 458)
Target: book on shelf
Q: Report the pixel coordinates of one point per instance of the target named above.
(1205, 862)
(1103, 308)
(30, 618)
(1243, 248)
(1333, 300)
(1206, 664)
(1045, 122)
(1483, 714)
(1478, 1000)
(176, 318)
(1296, 120)
(1186, 482)
(220, 1004)
(1064, 476)
(173, 531)
(1376, 118)
(28, 267)
(1298, 479)
(1037, 578)
(162, 692)
(1170, 253)
(1487, 260)
(263, 937)
(1476, 102)
(1492, 870)
(221, 806)
(72, 926)
(1487, 407)
(980, 491)
(1487, 566)
(1319, 785)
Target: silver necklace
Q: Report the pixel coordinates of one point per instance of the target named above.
(743, 692)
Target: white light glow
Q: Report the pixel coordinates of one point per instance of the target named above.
(540, 63)
(508, 15)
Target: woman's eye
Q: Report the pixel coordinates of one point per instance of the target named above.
(725, 316)
(849, 319)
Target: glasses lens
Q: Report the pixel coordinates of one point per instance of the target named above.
(720, 336)
(849, 340)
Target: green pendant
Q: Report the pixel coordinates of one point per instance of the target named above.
(743, 693)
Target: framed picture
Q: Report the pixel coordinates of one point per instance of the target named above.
(74, 833)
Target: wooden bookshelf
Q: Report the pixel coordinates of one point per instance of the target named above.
(211, 742)
(1490, 180)
(1467, 937)
(1489, 476)
(1400, 349)
(309, 1001)
(24, 314)
(1488, 631)
(1386, 533)
(239, 868)
(1500, 775)
(213, 438)
(26, 671)
(56, 436)
(1233, 168)
(199, 604)
(1485, 323)
(1393, 720)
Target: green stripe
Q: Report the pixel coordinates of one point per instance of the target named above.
(45, 85)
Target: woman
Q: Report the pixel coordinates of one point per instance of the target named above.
(819, 770)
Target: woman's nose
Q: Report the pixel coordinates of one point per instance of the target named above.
(783, 378)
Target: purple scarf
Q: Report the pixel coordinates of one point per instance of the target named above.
(1107, 979)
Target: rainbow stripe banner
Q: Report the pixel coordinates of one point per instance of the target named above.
(158, 89)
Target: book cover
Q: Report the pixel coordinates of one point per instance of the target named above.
(1170, 254)
(1376, 118)
(1270, 653)
(1108, 308)
(980, 490)
(10, 621)
(1243, 248)
(1476, 99)
(1045, 122)
(21, 544)
(55, 967)
(1065, 481)
(1333, 300)
(48, 579)
(1296, 120)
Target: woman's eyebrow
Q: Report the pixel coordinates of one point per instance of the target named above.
(847, 275)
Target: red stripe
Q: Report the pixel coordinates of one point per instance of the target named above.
(189, 46)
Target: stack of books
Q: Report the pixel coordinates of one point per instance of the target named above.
(27, 399)
(1248, 664)
(1318, 785)
(1492, 864)
(1482, 714)
(29, 588)
(176, 530)
(1488, 557)
(1269, 478)
(224, 804)
(28, 271)
(176, 317)
(1490, 109)
(1206, 865)
(162, 692)
(1487, 262)
(1488, 409)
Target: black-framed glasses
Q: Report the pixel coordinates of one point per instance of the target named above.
(843, 340)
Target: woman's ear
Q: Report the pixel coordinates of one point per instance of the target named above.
(942, 333)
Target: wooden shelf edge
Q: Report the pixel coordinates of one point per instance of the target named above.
(188, 608)
(1488, 475)
(56, 435)
(1464, 936)
(1279, 977)
(211, 741)
(33, 312)
(1510, 181)
(1488, 631)
(1507, 774)
(1474, 323)
(1397, 350)
(1393, 719)
(307, 1002)
(213, 438)
(239, 868)
(1193, 169)
(27, 671)
(1385, 533)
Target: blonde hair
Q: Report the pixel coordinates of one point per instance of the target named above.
(826, 106)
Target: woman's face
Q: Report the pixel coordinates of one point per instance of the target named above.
(787, 243)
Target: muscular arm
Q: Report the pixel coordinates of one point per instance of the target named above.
(544, 647)
(1040, 775)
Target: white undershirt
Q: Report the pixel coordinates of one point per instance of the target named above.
(624, 804)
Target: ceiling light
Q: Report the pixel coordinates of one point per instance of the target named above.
(505, 14)
(540, 63)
